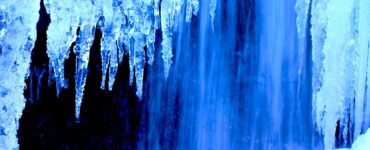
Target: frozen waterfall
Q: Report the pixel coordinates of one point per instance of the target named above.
(208, 74)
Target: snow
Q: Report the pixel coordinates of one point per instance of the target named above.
(361, 143)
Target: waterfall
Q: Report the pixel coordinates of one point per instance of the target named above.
(185, 74)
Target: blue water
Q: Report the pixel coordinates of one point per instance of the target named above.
(233, 85)
(238, 76)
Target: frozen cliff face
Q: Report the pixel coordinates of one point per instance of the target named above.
(18, 20)
(340, 48)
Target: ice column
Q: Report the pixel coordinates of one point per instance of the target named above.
(340, 36)
(336, 91)
(18, 20)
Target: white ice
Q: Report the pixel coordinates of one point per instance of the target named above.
(340, 40)
(18, 20)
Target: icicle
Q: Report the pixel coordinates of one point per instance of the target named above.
(104, 50)
(61, 33)
(157, 20)
(82, 49)
(169, 12)
(150, 47)
(109, 55)
(131, 59)
(212, 11)
(139, 61)
(192, 8)
(105, 54)
(141, 20)
(113, 18)
(302, 16)
(113, 67)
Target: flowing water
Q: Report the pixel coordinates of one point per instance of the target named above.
(235, 82)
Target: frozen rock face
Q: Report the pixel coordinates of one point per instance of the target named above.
(18, 20)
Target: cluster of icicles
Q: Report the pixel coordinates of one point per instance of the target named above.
(128, 26)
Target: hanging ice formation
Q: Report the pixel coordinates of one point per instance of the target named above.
(128, 27)
(128, 23)
(341, 67)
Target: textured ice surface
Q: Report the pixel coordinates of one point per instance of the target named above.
(340, 36)
(18, 20)
(61, 33)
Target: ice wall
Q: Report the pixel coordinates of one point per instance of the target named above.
(18, 20)
(340, 36)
